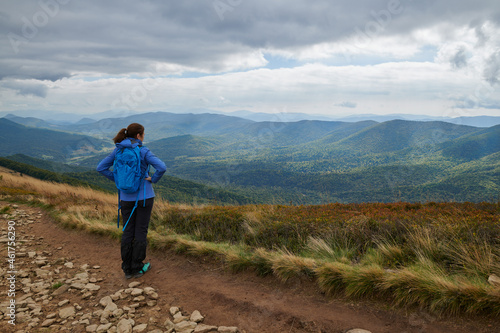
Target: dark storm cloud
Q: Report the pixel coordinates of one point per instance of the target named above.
(53, 39)
(492, 70)
(38, 70)
(27, 88)
(482, 37)
(459, 60)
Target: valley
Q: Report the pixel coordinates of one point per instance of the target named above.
(234, 160)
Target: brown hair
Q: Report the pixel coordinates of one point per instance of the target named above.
(130, 132)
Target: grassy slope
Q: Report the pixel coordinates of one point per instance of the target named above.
(169, 188)
(434, 256)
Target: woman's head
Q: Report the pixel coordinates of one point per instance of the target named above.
(131, 131)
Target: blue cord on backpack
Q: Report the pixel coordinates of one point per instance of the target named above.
(136, 200)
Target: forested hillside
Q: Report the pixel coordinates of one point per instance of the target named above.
(46, 144)
(304, 162)
(168, 188)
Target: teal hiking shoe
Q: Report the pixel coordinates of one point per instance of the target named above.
(145, 268)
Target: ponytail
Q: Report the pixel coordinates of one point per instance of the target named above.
(130, 132)
(120, 136)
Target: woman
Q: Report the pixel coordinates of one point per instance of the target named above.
(134, 241)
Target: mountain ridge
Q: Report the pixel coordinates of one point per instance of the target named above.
(301, 161)
(61, 118)
(45, 143)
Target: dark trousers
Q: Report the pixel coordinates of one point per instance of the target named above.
(134, 238)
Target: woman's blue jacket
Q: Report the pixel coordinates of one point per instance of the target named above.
(147, 158)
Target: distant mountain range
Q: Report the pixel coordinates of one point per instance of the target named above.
(158, 124)
(45, 143)
(477, 121)
(303, 162)
(59, 118)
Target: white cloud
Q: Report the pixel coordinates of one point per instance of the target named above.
(384, 87)
(378, 55)
(347, 105)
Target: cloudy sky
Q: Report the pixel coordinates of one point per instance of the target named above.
(336, 58)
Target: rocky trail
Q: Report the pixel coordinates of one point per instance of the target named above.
(54, 279)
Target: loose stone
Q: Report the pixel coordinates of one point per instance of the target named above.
(225, 329)
(196, 317)
(140, 328)
(202, 328)
(185, 325)
(48, 322)
(173, 310)
(125, 325)
(91, 328)
(103, 328)
(67, 312)
(134, 284)
(61, 303)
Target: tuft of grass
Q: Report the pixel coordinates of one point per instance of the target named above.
(286, 265)
(426, 285)
(364, 281)
(373, 256)
(330, 277)
(238, 261)
(391, 254)
(474, 259)
(262, 262)
(181, 246)
(161, 242)
(320, 249)
(207, 249)
(56, 285)
(423, 244)
(5, 210)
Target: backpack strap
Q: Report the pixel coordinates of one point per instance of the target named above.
(119, 208)
(131, 213)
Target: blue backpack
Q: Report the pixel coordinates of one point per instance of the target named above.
(128, 176)
(127, 169)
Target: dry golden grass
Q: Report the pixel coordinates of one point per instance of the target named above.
(287, 265)
(252, 223)
(362, 281)
(330, 277)
(475, 259)
(421, 282)
(423, 244)
(319, 247)
(237, 261)
(57, 193)
(392, 254)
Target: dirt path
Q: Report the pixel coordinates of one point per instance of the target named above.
(243, 300)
